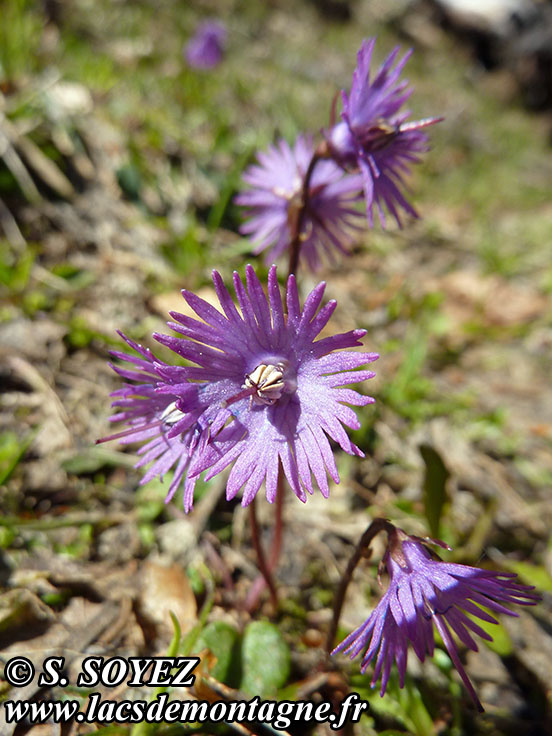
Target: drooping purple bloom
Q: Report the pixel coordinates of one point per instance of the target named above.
(423, 591)
(275, 198)
(373, 135)
(263, 392)
(205, 49)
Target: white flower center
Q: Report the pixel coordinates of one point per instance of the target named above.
(268, 382)
(296, 186)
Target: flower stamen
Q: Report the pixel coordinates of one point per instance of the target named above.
(268, 383)
(379, 135)
(171, 415)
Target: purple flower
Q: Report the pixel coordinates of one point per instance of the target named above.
(374, 137)
(275, 199)
(262, 393)
(204, 50)
(150, 415)
(423, 590)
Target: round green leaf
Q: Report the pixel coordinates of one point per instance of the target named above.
(265, 660)
(223, 641)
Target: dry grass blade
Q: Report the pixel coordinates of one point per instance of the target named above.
(15, 164)
(15, 147)
(11, 228)
(45, 168)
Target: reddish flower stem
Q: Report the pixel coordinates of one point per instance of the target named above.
(321, 152)
(261, 559)
(377, 526)
(253, 597)
(279, 523)
(267, 568)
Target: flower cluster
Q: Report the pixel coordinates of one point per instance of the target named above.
(425, 591)
(263, 392)
(257, 390)
(370, 149)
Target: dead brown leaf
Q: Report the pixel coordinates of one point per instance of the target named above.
(166, 589)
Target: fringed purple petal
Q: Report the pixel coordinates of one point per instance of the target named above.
(373, 136)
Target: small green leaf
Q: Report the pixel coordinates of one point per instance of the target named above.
(189, 641)
(80, 335)
(146, 532)
(196, 581)
(130, 181)
(265, 659)
(535, 575)
(93, 459)
(7, 535)
(435, 492)
(406, 705)
(12, 450)
(223, 641)
(144, 727)
(15, 271)
(76, 278)
(172, 651)
(502, 643)
(414, 705)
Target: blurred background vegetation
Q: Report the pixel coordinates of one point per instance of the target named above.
(118, 167)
